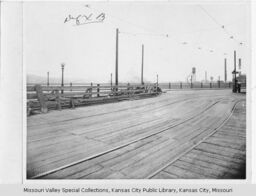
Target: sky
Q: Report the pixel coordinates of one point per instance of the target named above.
(196, 38)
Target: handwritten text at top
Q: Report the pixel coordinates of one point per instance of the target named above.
(83, 19)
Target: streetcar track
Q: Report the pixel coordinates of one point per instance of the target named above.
(198, 143)
(138, 124)
(93, 123)
(86, 125)
(123, 145)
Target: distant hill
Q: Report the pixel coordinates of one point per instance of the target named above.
(35, 79)
(40, 79)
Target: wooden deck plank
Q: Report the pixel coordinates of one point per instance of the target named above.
(227, 144)
(220, 155)
(101, 159)
(129, 159)
(231, 134)
(223, 151)
(210, 168)
(213, 158)
(194, 168)
(182, 173)
(165, 175)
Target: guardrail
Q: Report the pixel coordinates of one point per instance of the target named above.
(41, 98)
(195, 85)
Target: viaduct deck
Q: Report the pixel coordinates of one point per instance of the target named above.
(183, 134)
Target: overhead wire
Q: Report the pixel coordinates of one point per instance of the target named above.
(126, 21)
(153, 33)
(222, 26)
(171, 35)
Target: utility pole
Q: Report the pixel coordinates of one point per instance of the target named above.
(117, 32)
(225, 70)
(157, 80)
(191, 84)
(48, 83)
(62, 77)
(111, 80)
(239, 63)
(235, 70)
(142, 62)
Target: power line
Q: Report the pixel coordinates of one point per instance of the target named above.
(223, 27)
(195, 46)
(149, 30)
(123, 20)
(144, 34)
(170, 35)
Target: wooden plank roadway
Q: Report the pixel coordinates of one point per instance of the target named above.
(134, 139)
(220, 156)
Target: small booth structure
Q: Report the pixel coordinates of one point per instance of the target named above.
(239, 82)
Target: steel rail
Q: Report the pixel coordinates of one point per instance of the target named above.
(124, 145)
(195, 145)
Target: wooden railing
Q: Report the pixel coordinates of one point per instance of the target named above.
(41, 98)
(196, 85)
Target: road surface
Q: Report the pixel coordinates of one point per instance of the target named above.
(179, 134)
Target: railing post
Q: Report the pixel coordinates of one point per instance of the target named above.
(88, 93)
(115, 89)
(128, 88)
(181, 85)
(157, 81)
(40, 97)
(210, 85)
(98, 90)
(111, 81)
(62, 78)
(169, 85)
(72, 103)
(70, 86)
(58, 100)
(48, 82)
(29, 110)
(201, 84)
(91, 95)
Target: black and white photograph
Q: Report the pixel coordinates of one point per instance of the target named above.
(136, 90)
